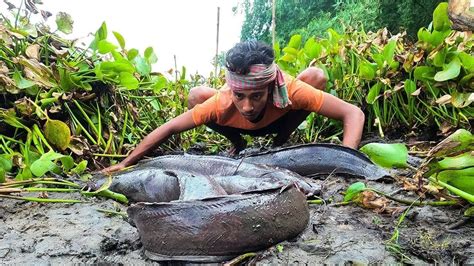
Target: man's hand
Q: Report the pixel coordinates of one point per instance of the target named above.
(237, 146)
(113, 168)
(351, 116)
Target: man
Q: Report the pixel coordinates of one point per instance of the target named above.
(258, 99)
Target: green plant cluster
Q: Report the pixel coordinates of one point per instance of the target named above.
(313, 18)
(399, 85)
(64, 108)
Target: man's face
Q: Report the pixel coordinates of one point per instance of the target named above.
(250, 103)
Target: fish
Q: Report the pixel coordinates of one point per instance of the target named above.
(151, 184)
(219, 228)
(218, 166)
(320, 159)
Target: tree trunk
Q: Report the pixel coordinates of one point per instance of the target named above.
(461, 15)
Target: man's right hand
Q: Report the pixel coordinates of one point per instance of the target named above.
(113, 168)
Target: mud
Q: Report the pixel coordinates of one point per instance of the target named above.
(34, 233)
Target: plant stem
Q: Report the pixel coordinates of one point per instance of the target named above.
(41, 200)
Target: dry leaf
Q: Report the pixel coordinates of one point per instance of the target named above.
(32, 51)
(444, 99)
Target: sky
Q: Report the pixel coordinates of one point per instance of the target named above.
(185, 28)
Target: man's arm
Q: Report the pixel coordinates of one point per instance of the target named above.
(352, 117)
(176, 125)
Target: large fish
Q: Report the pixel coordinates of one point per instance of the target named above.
(219, 228)
(234, 170)
(152, 184)
(320, 159)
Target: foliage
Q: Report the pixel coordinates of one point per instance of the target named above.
(63, 105)
(387, 155)
(397, 83)
(314, 18)
(450, 164)
(66, 109)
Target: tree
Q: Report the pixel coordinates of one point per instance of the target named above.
(313, 18)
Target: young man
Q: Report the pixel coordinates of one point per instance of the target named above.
(258, 99)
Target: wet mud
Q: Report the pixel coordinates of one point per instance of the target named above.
(35, 233)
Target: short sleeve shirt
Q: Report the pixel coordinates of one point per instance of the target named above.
(221, 110)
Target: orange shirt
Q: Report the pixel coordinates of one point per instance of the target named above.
(220, 109)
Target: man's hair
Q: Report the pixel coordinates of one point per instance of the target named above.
(244, 54)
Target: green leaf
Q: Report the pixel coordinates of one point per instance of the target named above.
(2, 175)
(80, 168)
(467, 61)
(120, 39)
(132, 53)
(24, 174)
(367, 70)
(64, 22)
(462, 179)
(100, 34)
(440, 17)
(457, 162)
(354, 190)
(41, 167)
(449, 71)
(389, 51)
(467, 78)
(379, 59)
(469, 212)
(67, 163)
(51, 156)
(410, 87)
(308, 48)
(295, 41)
(424, 73)
(460, 141)
(142, 66)
(387, 155)
(291, 51)
(424, 35)
(21, 82)
(117, 56)
(128, 80)
(150, 55)
(373, 93)
(105, 47)
(438, 37)
(117, 66)
(57, 133)
(279, 248)
(160, 83)
(288, 58)
(461, 100)
(440, 57)
(5, 164)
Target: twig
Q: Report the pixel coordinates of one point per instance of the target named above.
(416, 203)
(239, 259)
(457, 224)
(111, 212)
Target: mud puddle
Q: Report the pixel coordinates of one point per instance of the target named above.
(34, 233)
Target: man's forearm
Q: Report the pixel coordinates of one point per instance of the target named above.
(353, 127)
(152, 140)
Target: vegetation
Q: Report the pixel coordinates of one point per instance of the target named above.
(65, 108)
(69, 110)
(313, 18)
(400, 85)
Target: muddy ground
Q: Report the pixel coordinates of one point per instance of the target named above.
(34, 233)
